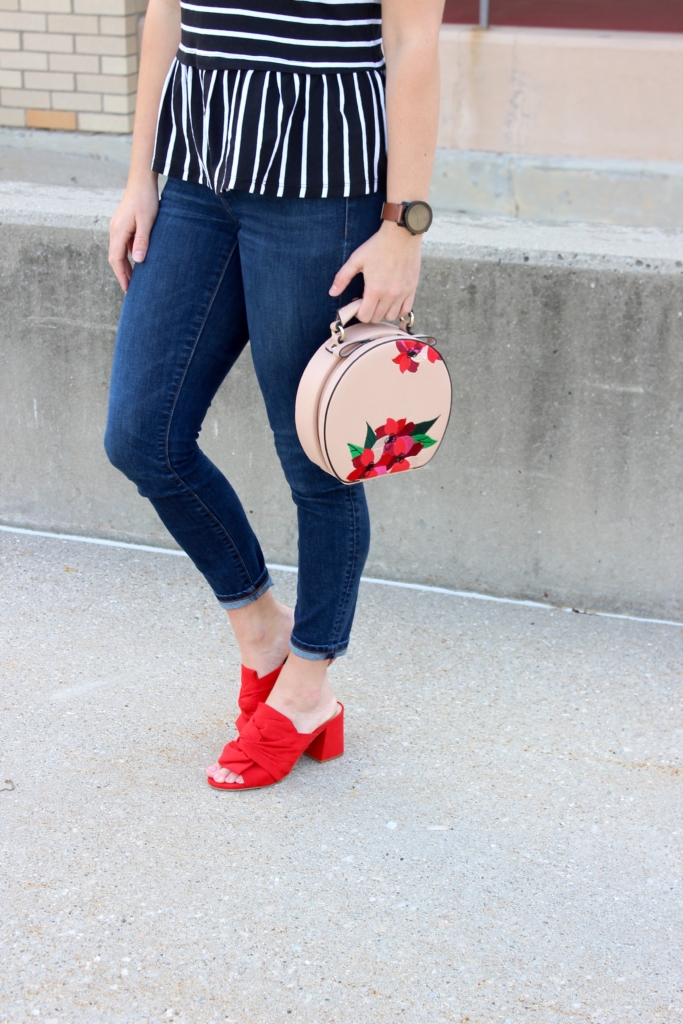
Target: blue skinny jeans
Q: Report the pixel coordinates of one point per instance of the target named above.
(222, 270)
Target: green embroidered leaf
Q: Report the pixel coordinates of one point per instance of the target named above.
(424, 439)
(370, 437)
(422, 428)
(355, 450)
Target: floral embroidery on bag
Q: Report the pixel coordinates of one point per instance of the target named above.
(387, 448)
(411, 351)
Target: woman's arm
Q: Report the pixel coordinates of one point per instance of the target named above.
(390, 259)
(131, 224)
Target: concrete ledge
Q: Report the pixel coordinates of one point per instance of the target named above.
(96, 145)
(531, 187)
(561, 476)
(561, 189)
(57, 206)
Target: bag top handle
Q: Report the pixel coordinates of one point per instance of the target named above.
(348, 312)
(345, 314)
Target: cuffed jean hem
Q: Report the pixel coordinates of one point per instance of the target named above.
(241, 602)
(316, 654)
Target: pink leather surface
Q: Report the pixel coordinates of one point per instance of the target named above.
(388, 383)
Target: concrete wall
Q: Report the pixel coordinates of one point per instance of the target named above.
(561, 189)
(560, 92)
(559, 480)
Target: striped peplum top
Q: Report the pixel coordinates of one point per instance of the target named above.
(278, 97)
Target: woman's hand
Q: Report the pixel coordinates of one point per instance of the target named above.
(390, 260)
(131, 225)
(390, 264)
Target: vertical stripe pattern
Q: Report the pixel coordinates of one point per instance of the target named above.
(273, 132)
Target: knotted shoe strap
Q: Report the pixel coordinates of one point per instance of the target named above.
(265, 751)
(254, 690)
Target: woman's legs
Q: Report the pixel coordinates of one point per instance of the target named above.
(183, 326)
(290, 251)
(262, 629)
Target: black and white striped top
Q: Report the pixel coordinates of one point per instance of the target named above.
(315, 36)
(283, 97)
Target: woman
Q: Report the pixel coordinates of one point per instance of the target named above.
(269, 120)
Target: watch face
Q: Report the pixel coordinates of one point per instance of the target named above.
(418, 217)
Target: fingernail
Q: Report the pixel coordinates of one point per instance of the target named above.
(333, 290)
(138, 255)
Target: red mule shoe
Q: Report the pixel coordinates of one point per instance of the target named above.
(269, 746)
(254, 690)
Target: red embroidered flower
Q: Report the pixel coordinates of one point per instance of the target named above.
(393, 429)
(403, 448)
(408, 352)
(366, 466)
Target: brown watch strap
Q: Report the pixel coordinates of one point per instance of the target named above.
(393, 211)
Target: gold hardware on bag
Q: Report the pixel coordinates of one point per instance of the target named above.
(338, 329)
(408, 320)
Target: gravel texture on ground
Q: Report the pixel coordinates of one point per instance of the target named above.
(500, 843)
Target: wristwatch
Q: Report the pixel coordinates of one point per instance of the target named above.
(416, 217)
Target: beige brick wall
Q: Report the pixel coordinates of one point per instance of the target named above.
(69, 64)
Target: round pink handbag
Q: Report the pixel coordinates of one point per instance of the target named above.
(374, 400)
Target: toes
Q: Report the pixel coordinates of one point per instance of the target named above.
(219, 774)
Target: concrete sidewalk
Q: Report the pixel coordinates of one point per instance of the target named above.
(499, 843)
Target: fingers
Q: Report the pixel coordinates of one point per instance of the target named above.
(345, 275)
(383, 306)
(141, 241)
(120, 232)
(130, 229)
(120, 264)
(370, 309)
(120, 245)
(390, 264)
(394, 310)
(407, 306)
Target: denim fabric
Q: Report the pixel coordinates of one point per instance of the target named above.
(222, 270)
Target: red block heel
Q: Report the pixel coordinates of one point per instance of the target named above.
(254, 690)
(330, 743)
(269, 747)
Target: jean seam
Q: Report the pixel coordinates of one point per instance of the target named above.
(320, 648)
(350, 567)
(317, 655)
(255, 588)
(346, 231)
(345, 598)
(227, 207)
(174, 403)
